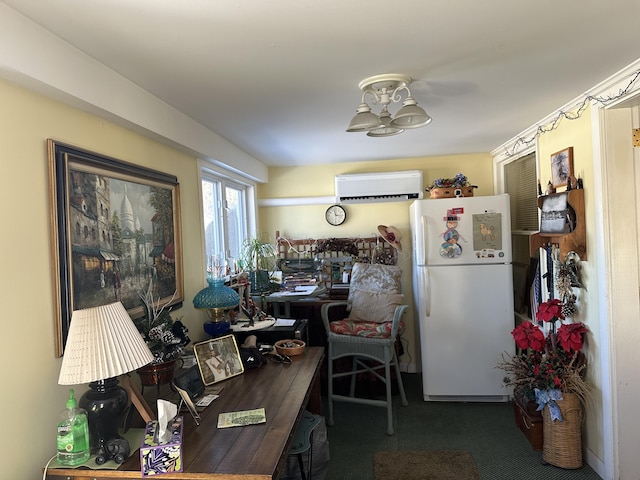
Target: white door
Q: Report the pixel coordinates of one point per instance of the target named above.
(465, 327)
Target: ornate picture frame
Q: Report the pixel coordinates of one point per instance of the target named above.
(218, 359)
(562, 167)
(115, 230)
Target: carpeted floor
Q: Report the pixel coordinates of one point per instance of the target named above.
(486, 430)
(424, 465)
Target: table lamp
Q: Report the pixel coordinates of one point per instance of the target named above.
(103, 342)
(217, 298)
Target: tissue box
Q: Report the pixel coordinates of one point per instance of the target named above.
(158, 458)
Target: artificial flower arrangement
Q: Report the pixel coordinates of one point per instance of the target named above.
(549, 359)
(165, 337)
(459, 181)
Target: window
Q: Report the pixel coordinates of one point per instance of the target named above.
(226, 215)
(522, 186)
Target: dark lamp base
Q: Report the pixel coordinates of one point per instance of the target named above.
(105, 403)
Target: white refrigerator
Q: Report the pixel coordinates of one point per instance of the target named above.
(463, 291)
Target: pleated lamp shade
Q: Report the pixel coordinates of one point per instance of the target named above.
(103, 342)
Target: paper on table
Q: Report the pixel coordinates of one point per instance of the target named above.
(306, 289)
(285, 322)
(241, 418)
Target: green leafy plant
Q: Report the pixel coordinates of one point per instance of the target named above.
(259, 258)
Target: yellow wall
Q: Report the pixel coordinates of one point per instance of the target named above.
(577, 134)
(31, 397)
(307, 221)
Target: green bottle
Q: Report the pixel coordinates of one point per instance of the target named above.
(73, 434)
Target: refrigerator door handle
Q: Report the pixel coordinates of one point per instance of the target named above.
(427, 293)
(422, 248)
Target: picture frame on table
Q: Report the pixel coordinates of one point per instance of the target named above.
(115, 230)
(218, 359)
(562, 167)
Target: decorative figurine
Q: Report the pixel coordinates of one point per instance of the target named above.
(550, 188)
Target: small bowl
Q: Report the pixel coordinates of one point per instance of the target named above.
(290, 347)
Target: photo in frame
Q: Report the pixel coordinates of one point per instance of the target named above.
(562, 167)
(115, 230)
(218, 359)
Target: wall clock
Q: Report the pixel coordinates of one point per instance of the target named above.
(335, 215)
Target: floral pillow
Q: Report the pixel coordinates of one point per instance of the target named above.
(377, 307)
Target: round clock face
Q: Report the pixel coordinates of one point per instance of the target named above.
(335, 215)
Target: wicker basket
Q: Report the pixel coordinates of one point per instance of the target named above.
(450, 192)
(562, 440)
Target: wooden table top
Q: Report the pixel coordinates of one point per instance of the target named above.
(253, 452)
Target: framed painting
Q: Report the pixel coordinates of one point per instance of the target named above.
(218, 359)
(562, 167)
(116, 231)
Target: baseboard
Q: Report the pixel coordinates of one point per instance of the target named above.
(594, 462)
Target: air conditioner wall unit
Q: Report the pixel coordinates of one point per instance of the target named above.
(379, 187)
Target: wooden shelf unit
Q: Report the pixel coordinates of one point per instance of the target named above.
(574, 241)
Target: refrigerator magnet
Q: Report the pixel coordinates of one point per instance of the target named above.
(450, 248)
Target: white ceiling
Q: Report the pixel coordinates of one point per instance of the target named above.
(279, 78)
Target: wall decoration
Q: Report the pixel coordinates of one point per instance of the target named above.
(218, 359)
(115, 229)
(562, 167)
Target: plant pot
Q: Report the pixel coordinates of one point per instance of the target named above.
(260, 281)
(156, 373)
(562, 440)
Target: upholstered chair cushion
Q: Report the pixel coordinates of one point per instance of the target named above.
(364, 329)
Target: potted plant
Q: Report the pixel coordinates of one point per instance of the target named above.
(451, 187)
(165, 337)
(549, 369)
(259, 258)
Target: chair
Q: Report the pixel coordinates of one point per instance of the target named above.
(368, 334)
(303, 441)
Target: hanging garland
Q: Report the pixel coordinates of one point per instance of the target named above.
(338, 245)
(568, 278)
(553, 124)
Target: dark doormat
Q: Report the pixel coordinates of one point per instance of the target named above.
(424, 465)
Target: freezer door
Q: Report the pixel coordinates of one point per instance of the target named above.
(462, 231)
(466, 318)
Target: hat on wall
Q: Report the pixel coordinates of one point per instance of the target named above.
(391, 235)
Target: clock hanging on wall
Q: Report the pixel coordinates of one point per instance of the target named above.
(335, 215)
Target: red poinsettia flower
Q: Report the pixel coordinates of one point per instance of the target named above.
(550, 311)
(527, 335)
(570, 336)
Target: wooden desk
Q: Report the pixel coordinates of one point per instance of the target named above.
(307, 307)
(254, 452)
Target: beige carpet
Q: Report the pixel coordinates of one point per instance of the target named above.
(424, 465)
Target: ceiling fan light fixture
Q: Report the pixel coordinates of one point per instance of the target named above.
(384, 90)
(364, 120)
(410, 115)
(387, 130)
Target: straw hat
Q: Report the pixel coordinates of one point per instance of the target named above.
(392, 235)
